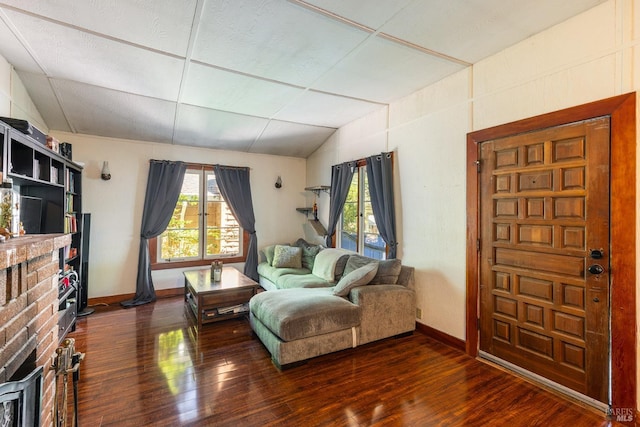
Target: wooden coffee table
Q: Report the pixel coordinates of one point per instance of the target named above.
(211, 301)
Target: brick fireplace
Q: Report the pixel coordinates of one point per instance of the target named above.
(29, 310)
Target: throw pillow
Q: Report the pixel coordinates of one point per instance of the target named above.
(287, 257)
(326, 263)
(358, 277)
(356, 261)
(309, 255)
(268, 253)
(339, 270)
(388, 272)
(301, 243)
(309, 252)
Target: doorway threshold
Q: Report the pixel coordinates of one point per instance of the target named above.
(543, 382)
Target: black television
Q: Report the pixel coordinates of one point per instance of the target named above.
(31, 214)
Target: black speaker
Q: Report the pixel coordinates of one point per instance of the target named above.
(84, 266)
(65, 150)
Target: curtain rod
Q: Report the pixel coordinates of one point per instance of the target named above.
(201, 165)
(210, 166)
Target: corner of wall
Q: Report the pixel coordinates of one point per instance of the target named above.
(22, 106)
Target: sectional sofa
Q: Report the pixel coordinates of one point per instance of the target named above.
(333, 301)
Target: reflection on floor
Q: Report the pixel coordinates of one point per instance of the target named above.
(146, 366)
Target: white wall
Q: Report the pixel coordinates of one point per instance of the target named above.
(116, 205)
(5, 88)
(590, 57)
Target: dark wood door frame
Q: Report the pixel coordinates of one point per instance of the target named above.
(622, 110)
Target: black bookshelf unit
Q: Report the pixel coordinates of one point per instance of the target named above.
(50, 188)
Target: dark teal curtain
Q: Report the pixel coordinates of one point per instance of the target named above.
(341, 176)
(380, 176)
(163, 189)
(236, 190)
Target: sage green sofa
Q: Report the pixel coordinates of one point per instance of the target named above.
(301, 317)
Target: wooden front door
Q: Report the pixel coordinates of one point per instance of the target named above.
(544, 253)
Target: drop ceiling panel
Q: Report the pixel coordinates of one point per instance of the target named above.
(160, 24)
(201, 127)
(222, 90)
(384, 71)
(322, 109)
(291, 139)
(98, 111)
(273, 39)
(45, 100)
(70, 54)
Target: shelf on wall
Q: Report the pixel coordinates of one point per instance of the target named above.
(305, 211)
(318, 188)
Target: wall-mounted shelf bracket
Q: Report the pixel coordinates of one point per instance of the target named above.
(305, 211)
(318, 188)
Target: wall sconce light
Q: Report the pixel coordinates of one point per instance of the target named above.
(279, 182)
(106, 173)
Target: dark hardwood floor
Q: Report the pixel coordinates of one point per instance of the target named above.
(143, 367)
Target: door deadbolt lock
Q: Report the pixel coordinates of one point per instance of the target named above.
(596, 253)
(596, 269)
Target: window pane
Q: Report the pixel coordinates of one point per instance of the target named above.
(179, 244)
(181, 238)
(223, 231)
(349, 222)
(374, 246)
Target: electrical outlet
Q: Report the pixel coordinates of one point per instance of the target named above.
(418, 313)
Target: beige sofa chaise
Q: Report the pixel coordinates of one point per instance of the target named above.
(309, 313)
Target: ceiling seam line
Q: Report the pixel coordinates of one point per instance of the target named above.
(423, 49)
(332, 15)
(242, 73)
(14, 30)
(58, 96)
(195, 23)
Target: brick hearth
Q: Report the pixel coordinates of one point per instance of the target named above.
(29, 307)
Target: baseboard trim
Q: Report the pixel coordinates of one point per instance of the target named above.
(444, 338)
(117, 299)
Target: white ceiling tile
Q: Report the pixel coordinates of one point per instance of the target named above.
(291, 139)
(201, 127)
(44, 98)
(160, 24)
(273, 39)
(384, 71)
(98, 111)
(222, 90)
(322, 109)
(69, 54)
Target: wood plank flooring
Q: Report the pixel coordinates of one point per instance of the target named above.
(144, 367)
